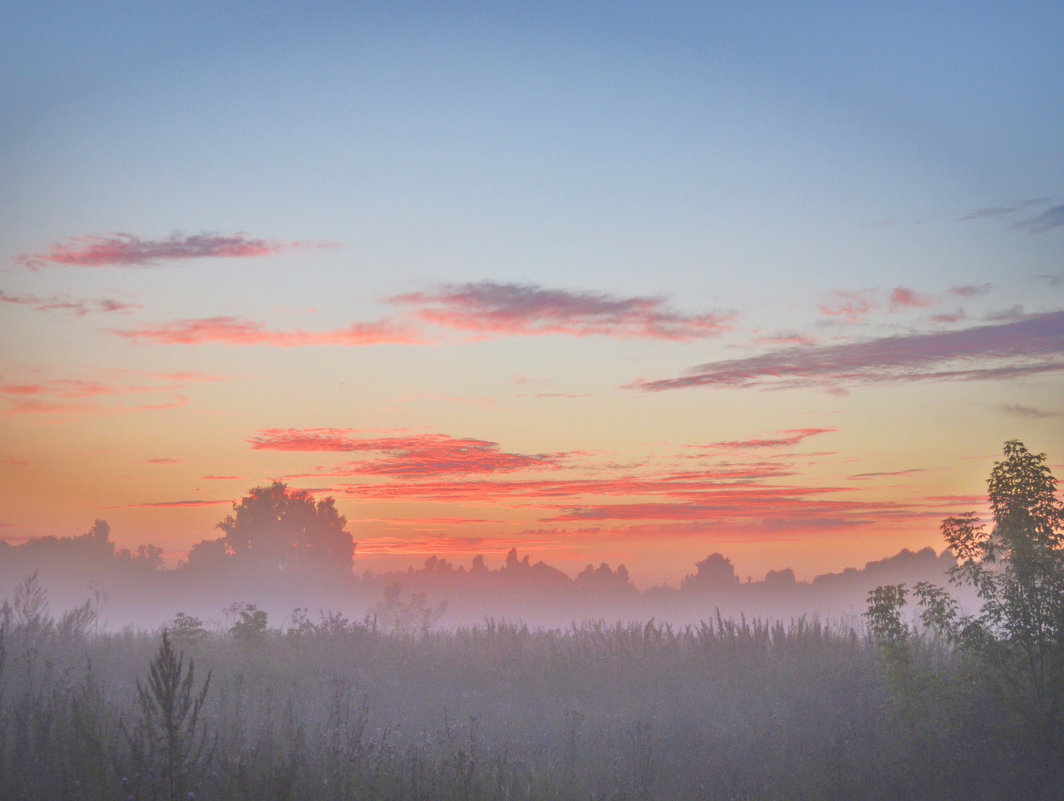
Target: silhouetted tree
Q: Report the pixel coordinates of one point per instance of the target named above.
(1017, 570)
(280, 529)
(715, 572)
(206, 556)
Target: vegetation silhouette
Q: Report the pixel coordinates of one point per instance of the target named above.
(170, 740)
(1012, 649)
(280, 529)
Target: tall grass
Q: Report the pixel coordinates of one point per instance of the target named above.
(729, 709)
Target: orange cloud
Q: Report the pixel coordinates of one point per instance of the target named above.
(783, 439)
(234, 331)
(413, 455)
(77, 396)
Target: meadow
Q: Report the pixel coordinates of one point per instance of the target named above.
(330, 708)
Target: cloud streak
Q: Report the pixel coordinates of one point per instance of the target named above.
(79, 396)
(178, 504)
(127, 250)
(1029, 346)
(493, 309)
(236, 332)
(76, 307)
(782, 440)
(410, 456)
(1046, 221)
(686, 485)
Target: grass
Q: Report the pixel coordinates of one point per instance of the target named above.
(729, 709)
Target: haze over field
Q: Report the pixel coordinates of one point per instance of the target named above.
(598, 282)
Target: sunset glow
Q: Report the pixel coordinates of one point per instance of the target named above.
(621, 283)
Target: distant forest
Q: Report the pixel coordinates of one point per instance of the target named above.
(286, 554)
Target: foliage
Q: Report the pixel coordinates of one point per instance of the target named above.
(715, 572)
(250, 623)
(405, 614)
(1018, 568)
(279, 529)
(170, 740)
(1017, 637)
(29, 609)
(186, 631)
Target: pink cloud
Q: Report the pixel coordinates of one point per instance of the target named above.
(77, 307)
(74, 388)
(78, 396)
(851, 306)
(407, 456)
(1029, 346)
(904, 298)
(126, 250)
(783, 439)
(454, 546)
(757, 512)
(431, 522)
(233, 331)
(491, 309)
(681, 485)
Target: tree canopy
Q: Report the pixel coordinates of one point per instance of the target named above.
(1017, 570)
(280, 529)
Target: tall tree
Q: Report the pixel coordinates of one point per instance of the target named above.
(1017, 570)
(281, 529)
(1017, 567)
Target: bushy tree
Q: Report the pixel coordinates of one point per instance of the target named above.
(715, 572)
(1016, 568)
(281, 529)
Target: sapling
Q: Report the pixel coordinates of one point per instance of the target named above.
(171, 740)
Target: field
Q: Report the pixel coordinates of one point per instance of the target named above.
(335, 709)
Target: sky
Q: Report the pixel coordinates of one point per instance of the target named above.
(608, 282)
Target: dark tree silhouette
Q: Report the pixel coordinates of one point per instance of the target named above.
(1017, 570)
(279, 529)
(715, 572)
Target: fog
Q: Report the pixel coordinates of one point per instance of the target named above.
(131, 589)
(241, 676)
